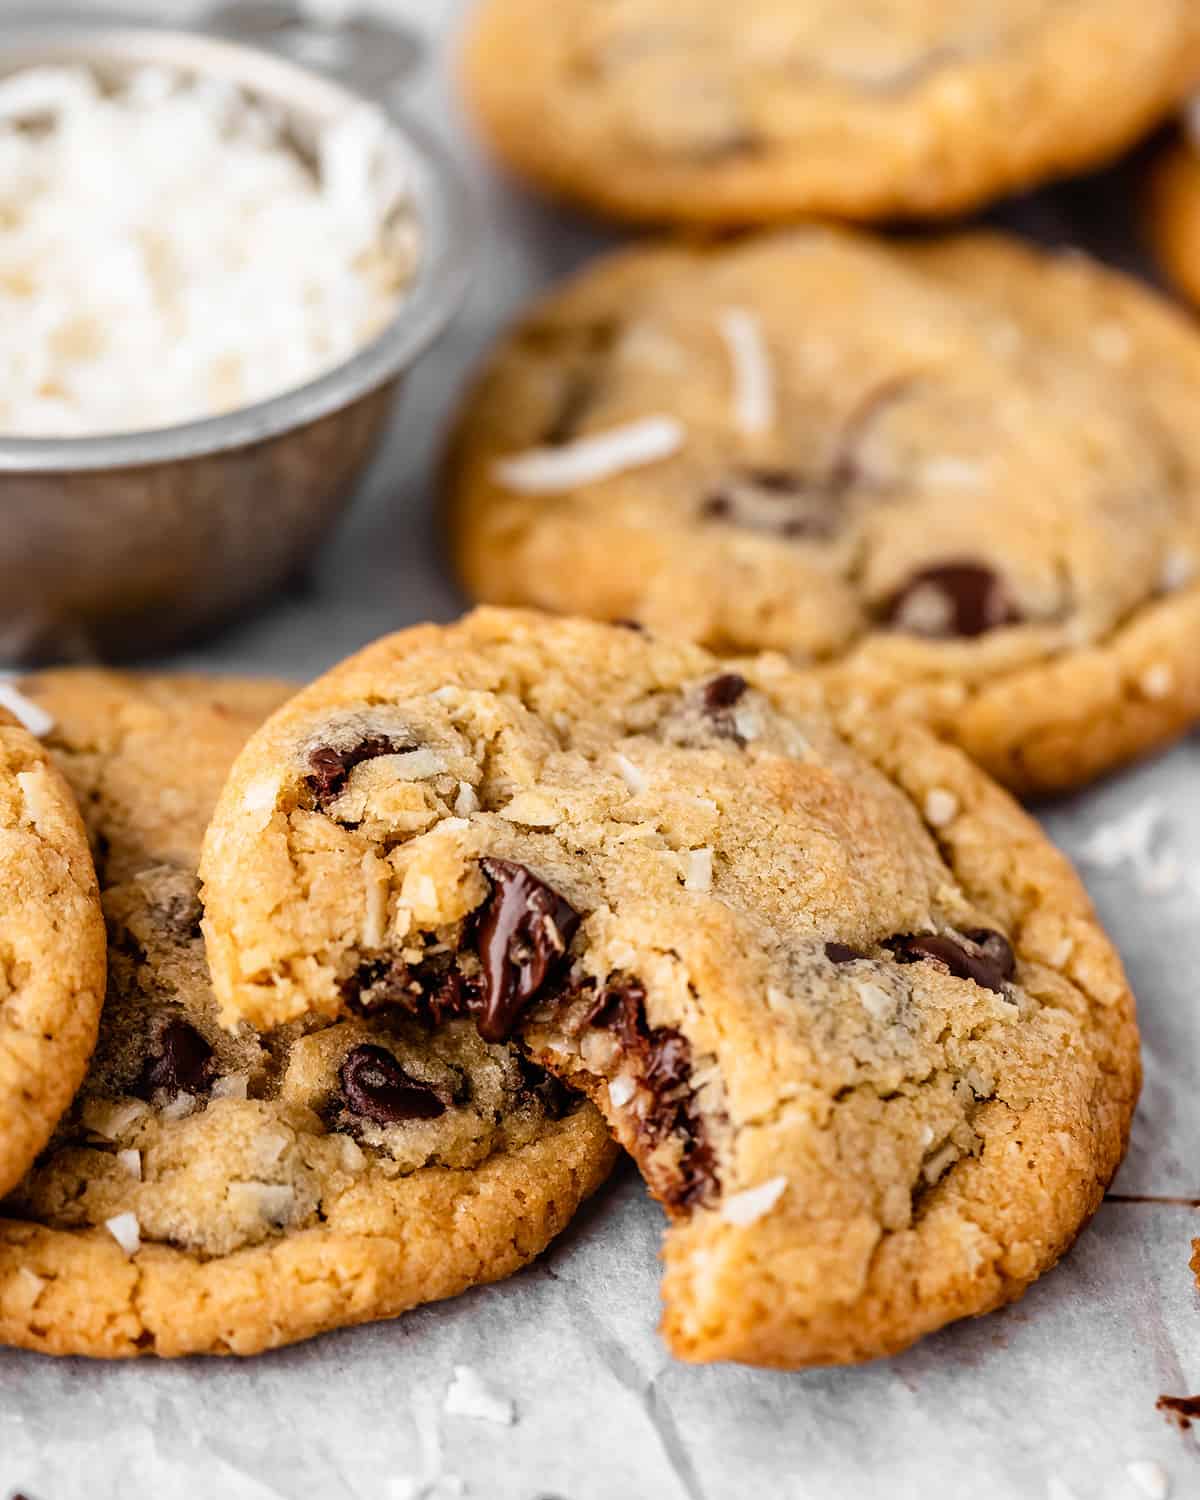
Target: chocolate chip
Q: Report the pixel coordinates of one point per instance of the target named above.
(524, 930)
(183, 1062)
(952, 599)
(718, 698)
(995, 947)
(663, 1058)
(985, 957)
(377, 1088)
(723, 692)
(842, 953)
(329, 769)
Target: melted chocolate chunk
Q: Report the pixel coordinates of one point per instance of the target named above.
(555, 1098)
(995, 947)
(663, 1057)
(329, 769)
(377, 1088)
(183, 1062)
(433, 994)
(524, 929)
(952, 599)
(984, 956)
(842, 953)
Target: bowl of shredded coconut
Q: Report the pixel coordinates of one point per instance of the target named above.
(215, 266)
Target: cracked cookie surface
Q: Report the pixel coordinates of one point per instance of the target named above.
(850, 1012)
(704, 112)
(961, 476)
(51, 949)
(214, 1191)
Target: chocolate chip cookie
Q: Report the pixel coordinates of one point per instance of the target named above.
(1174, 209)
(225, 1192)
(848, 1009)
(960, 476)
(701, 111)
(51, 941)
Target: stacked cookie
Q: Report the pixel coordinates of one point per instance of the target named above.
(720, 874)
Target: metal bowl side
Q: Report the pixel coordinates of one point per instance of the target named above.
(127, 544)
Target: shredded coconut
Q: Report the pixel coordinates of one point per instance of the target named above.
(1111, 343)
(375, 882)
(40, 806)
(166, 254)
(466, 802)
(621, 1091)
(699, 871)
(755, 1203)
(132, 1163)
(35, 718)
(630, 774)
(952, 474)
(1137, 842)
(753, 387)
(941, 807)
(127, 1232)
(111, 1121)
(1157, 680)
(231, 1086)
(180, 1107)
(470, 1396)
(550, 471)
(876, 1001)
(1151, 1478)
(272, 1202)
(1178, 570)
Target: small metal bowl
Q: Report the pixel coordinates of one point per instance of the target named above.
(129, 544)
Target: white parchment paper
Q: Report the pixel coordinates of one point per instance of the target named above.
(1052, 1398)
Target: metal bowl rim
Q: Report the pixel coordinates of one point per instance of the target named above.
(447, 222)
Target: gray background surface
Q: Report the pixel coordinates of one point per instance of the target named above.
(1053, 1398)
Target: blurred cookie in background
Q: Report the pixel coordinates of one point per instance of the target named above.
(959, 476)
(702, 112)
(1174, 209)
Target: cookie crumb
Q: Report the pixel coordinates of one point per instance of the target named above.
(470, 1396)
(754, 1203)
(941, 807)
(551, 471)
(753, 387)
(127, 1232)
(1150, 1477)
(32, 715)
